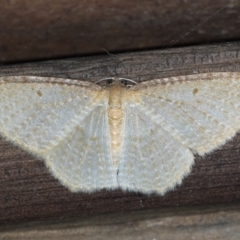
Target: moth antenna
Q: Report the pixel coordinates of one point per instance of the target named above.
(129, 80)
(120, 79)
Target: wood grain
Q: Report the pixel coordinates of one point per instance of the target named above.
(29, 193)
(220, 223)
(45, 29)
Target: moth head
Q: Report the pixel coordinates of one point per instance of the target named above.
(124, 82)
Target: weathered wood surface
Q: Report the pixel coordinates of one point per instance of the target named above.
(29, 193)
(222, 223)
(49, 29)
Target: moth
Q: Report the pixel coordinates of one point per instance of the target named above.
(140, 138)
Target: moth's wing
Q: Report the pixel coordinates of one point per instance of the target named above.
(62, 121)
(82, 160)
(167, 120)
(152, 159)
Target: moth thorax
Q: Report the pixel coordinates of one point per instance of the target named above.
(115, 120)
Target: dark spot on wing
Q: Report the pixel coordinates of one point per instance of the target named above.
(195, 90)
(39, 93)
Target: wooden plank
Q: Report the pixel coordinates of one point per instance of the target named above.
(219, 222)
(50, 29)
(29, 193)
